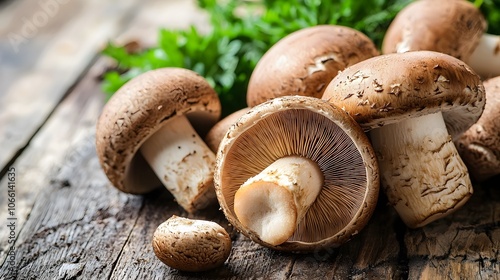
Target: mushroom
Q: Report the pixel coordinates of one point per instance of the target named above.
(296, 174)
(304, 62)
(479, 146)
(191, 245)
(412, 102)
(217, 132)
(159, 113)
(454, 27)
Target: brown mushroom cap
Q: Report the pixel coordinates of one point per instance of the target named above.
(137, 110)
(453, 27)
(388, 88)
(479, 146)
(316, 130)
(191, 245)
(304, 62)
(217, 132)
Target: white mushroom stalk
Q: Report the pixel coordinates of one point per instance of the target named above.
(183, 163)
(422, 173)
(273, 202)
(485, 59)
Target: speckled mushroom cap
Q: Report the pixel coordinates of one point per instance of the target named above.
(479, 146)
(191, 245)
(304, 62)
(392, 87)
(453, 27)
(137, 110)
(314, 129)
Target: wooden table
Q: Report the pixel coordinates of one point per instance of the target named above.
(68, 222)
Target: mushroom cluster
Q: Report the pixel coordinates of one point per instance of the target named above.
(298, 169)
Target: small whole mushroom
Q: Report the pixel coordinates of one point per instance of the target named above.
(191, 245)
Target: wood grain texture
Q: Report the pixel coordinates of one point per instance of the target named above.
(81, 226)
(70, 123)
(51, 52)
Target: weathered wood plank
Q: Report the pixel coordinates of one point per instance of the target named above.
(94, 231)
(44, 48)
(463, 246)
(71, 122)
(78, 225)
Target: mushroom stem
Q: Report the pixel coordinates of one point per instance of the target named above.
(183, 163)
(422, 174)
(485, 59)
(273, 202)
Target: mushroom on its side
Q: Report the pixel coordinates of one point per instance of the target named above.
(415, 104)
(454, 27)
(191, 245)
(159, 113)
(305, 61)
(479, 146)
(296, 173)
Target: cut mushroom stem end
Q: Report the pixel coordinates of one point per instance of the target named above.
(273, 202)
(420, 186)
(183, 163)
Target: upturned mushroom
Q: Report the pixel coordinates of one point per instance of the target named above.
(296, 174)
(191, 245)
(454, 27)
(479, 146)
(414, 105)
(155, 118)
(305, 61)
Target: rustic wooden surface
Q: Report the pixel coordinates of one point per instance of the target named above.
(72, 224)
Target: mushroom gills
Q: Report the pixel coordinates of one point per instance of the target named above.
(273, 202)
(183, 163)
(421, 171)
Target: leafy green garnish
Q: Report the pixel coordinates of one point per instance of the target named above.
(243, 30)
